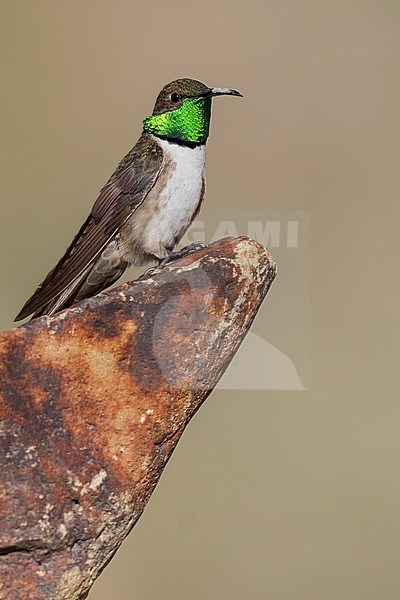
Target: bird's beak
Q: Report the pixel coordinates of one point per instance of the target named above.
(224, 92)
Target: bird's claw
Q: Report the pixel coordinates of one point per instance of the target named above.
(175, 255)
(149, 271)
(199, 245)
(183, 252)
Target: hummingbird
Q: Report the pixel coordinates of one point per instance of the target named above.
(146, 206)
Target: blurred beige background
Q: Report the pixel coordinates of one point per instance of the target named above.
(280, 495)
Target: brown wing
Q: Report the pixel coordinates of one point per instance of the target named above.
(119, 198)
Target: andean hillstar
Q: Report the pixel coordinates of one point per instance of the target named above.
(146, 206)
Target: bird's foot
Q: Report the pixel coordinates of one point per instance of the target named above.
(180, 253)
(175, 255)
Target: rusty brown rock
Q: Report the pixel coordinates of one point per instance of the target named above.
(93, 402)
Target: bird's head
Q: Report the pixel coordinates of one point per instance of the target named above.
(183, 110)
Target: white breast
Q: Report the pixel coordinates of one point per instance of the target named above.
(178, 195)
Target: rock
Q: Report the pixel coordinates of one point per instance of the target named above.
(93, 401)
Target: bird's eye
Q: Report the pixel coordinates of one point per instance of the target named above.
(175, 97)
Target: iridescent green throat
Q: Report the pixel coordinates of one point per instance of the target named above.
(188, 123)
